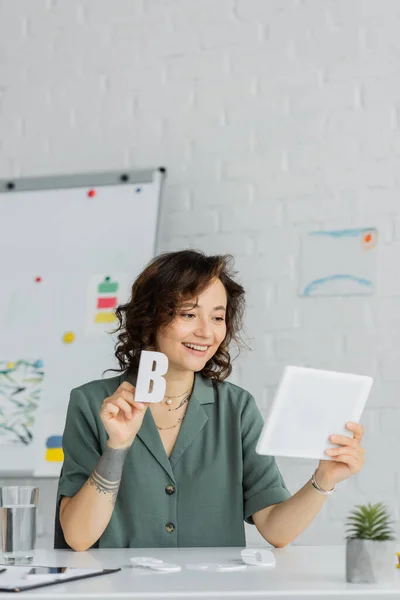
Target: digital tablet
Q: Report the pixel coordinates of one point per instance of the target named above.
(309, 406)
(19, 579)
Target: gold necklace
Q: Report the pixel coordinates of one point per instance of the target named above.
(184, 401)
(169, 401)
(172, 426)
(180, 418)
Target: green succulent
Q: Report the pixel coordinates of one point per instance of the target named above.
(370, 522)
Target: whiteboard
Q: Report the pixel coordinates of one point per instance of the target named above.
(70, 248)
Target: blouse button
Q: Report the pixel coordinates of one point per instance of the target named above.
(170, 490)
(170, 527)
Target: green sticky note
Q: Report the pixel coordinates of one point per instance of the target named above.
(107, 287)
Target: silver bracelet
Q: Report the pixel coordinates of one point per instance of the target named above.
(319, 489)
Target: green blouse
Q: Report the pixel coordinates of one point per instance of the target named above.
(201, 495)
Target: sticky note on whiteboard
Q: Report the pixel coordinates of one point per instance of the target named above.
(338, 263)
(54, 451)
(104, 293)
(49, 454)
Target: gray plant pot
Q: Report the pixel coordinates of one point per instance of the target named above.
(370, 561)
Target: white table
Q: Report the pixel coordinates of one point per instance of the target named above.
(301, 571)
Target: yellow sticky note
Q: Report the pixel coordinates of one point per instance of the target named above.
(105, 317)
(54, 455)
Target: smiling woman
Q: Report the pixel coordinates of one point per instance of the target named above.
(183, 472)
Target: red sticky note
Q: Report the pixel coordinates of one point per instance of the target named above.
(109, 302)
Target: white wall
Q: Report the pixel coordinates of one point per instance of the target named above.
(273, 117)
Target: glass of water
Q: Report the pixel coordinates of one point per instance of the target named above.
(18, 505)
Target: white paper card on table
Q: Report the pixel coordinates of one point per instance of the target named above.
(258, 557)
(155, 564)
(308, 407)
(165, 567)
(216, 567)
(145, 561)
(146, 374)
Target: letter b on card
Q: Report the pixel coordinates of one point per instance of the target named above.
(146, 375)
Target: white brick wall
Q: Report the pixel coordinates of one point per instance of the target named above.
(273, 117)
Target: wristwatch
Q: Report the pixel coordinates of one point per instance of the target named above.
(319, 489)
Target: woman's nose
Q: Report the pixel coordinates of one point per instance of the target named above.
(203, 328)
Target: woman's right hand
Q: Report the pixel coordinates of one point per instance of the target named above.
(122, 417)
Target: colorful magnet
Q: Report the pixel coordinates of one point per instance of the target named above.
(91, 193)
(369, 239)
(38, 279)
(10, 365)
(68, 337)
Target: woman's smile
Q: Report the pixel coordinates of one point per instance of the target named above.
(196, 349)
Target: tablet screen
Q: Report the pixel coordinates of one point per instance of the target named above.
(309, 406)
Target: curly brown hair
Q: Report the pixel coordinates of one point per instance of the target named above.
(156, 296)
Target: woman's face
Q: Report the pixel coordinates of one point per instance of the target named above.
(195, 334)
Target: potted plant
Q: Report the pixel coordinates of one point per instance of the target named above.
(371, 545)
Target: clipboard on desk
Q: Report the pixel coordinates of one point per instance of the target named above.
(308, 407)
(21, 579)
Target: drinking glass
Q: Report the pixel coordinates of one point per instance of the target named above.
(18, 505)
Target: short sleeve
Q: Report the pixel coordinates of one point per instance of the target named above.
(263, 484)
(80, 443)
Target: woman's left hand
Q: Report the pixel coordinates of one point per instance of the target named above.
(346, 460)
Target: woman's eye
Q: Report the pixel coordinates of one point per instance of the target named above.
(189, 316)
